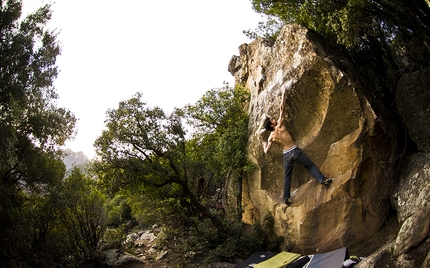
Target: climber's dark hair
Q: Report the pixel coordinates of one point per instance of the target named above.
(268, 124)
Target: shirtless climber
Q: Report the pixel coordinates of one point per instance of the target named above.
(291, 153)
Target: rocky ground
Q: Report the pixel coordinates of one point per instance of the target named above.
(146, 255)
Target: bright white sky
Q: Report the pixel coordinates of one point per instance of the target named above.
(171, 50)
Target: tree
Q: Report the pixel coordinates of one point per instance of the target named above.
(143, 144)
(118, 211)
(221, 134)
(360, 24)
(146, 152)
(147, 148)
(30, 123)
(31, 126)
(83, 215)
(30, 217)
(386, 28)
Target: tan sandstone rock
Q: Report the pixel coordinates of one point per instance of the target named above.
(334, 126)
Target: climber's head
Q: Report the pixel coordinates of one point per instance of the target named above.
(269, 124)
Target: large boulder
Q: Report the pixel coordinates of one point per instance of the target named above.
(411, 200)
(412, 232)
(412, 191)
(412, 101)
(333, 124)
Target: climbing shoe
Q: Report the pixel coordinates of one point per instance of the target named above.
(327, 181)
(287, 202)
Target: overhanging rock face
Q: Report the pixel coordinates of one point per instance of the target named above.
(333, 125)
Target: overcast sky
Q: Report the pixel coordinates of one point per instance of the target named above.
(171, 50)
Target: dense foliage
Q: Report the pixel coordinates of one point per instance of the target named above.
(354, 23)
(46, 220)
(31, 129)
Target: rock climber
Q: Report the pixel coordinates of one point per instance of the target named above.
(291, 153)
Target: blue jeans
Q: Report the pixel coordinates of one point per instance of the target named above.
(296, 155)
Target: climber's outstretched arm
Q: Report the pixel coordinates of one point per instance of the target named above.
(282, 108)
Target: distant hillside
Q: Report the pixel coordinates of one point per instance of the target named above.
(74, 159)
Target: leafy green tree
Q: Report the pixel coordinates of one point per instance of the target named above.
(379, 27)
(221, 134)
(147, 148)
(119, 211)
(83, 215)
(144, 145)
(147, 153)
(63, 225)
(222, 112)
(31, 126)
(33, 217)
(360, 24)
